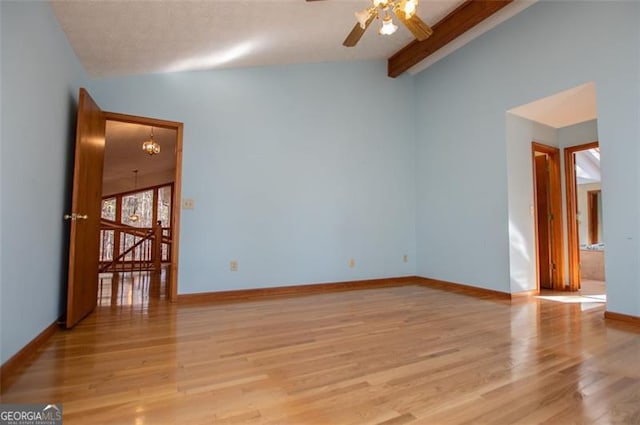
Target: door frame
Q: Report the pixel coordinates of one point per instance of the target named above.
(556, 233)
(177, 188)
(573, 242)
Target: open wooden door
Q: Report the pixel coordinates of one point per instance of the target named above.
(548, 209)
(82, 290)
(543, 222)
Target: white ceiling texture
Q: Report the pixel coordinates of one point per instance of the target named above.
(137, 37)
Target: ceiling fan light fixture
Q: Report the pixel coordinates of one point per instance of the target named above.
(409, 7)
(362, 17)
(388, 27)
(405, 10)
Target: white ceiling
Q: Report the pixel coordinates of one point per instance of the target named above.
(138, 37)
(124, 37)
(562, 109)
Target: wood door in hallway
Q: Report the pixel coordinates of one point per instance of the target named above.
(543, 214)
(547, 203)
(82, 289)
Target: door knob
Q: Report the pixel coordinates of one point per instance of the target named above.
(74, 216)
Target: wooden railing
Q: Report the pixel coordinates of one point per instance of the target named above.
(128, 248)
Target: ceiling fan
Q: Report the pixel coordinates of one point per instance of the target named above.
(405, 11)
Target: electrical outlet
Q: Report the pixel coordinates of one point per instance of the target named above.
(233, 265)
(352, 263)
(405, 258)
(188, 204)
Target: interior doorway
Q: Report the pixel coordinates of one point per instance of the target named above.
(584, 218)
(140, 211)
(548, 216)
(85, 216)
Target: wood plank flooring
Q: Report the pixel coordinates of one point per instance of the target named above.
(398, 355)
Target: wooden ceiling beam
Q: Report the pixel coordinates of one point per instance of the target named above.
(463, 18)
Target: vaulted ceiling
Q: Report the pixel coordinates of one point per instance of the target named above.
(138, 37)
(113, 38)
(588, 166)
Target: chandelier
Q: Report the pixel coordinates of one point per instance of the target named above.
(151, 146)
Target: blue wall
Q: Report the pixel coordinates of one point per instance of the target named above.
(40, 80)
(462, 173)
(294, 170)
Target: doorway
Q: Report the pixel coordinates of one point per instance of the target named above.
(140, 211)
(585, 233)
(548, 216)
(85, 216)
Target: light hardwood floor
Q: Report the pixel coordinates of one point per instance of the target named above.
(126, 289)
(397, 355)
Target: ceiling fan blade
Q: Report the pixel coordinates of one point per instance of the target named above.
(357, 32)
(418, 28)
